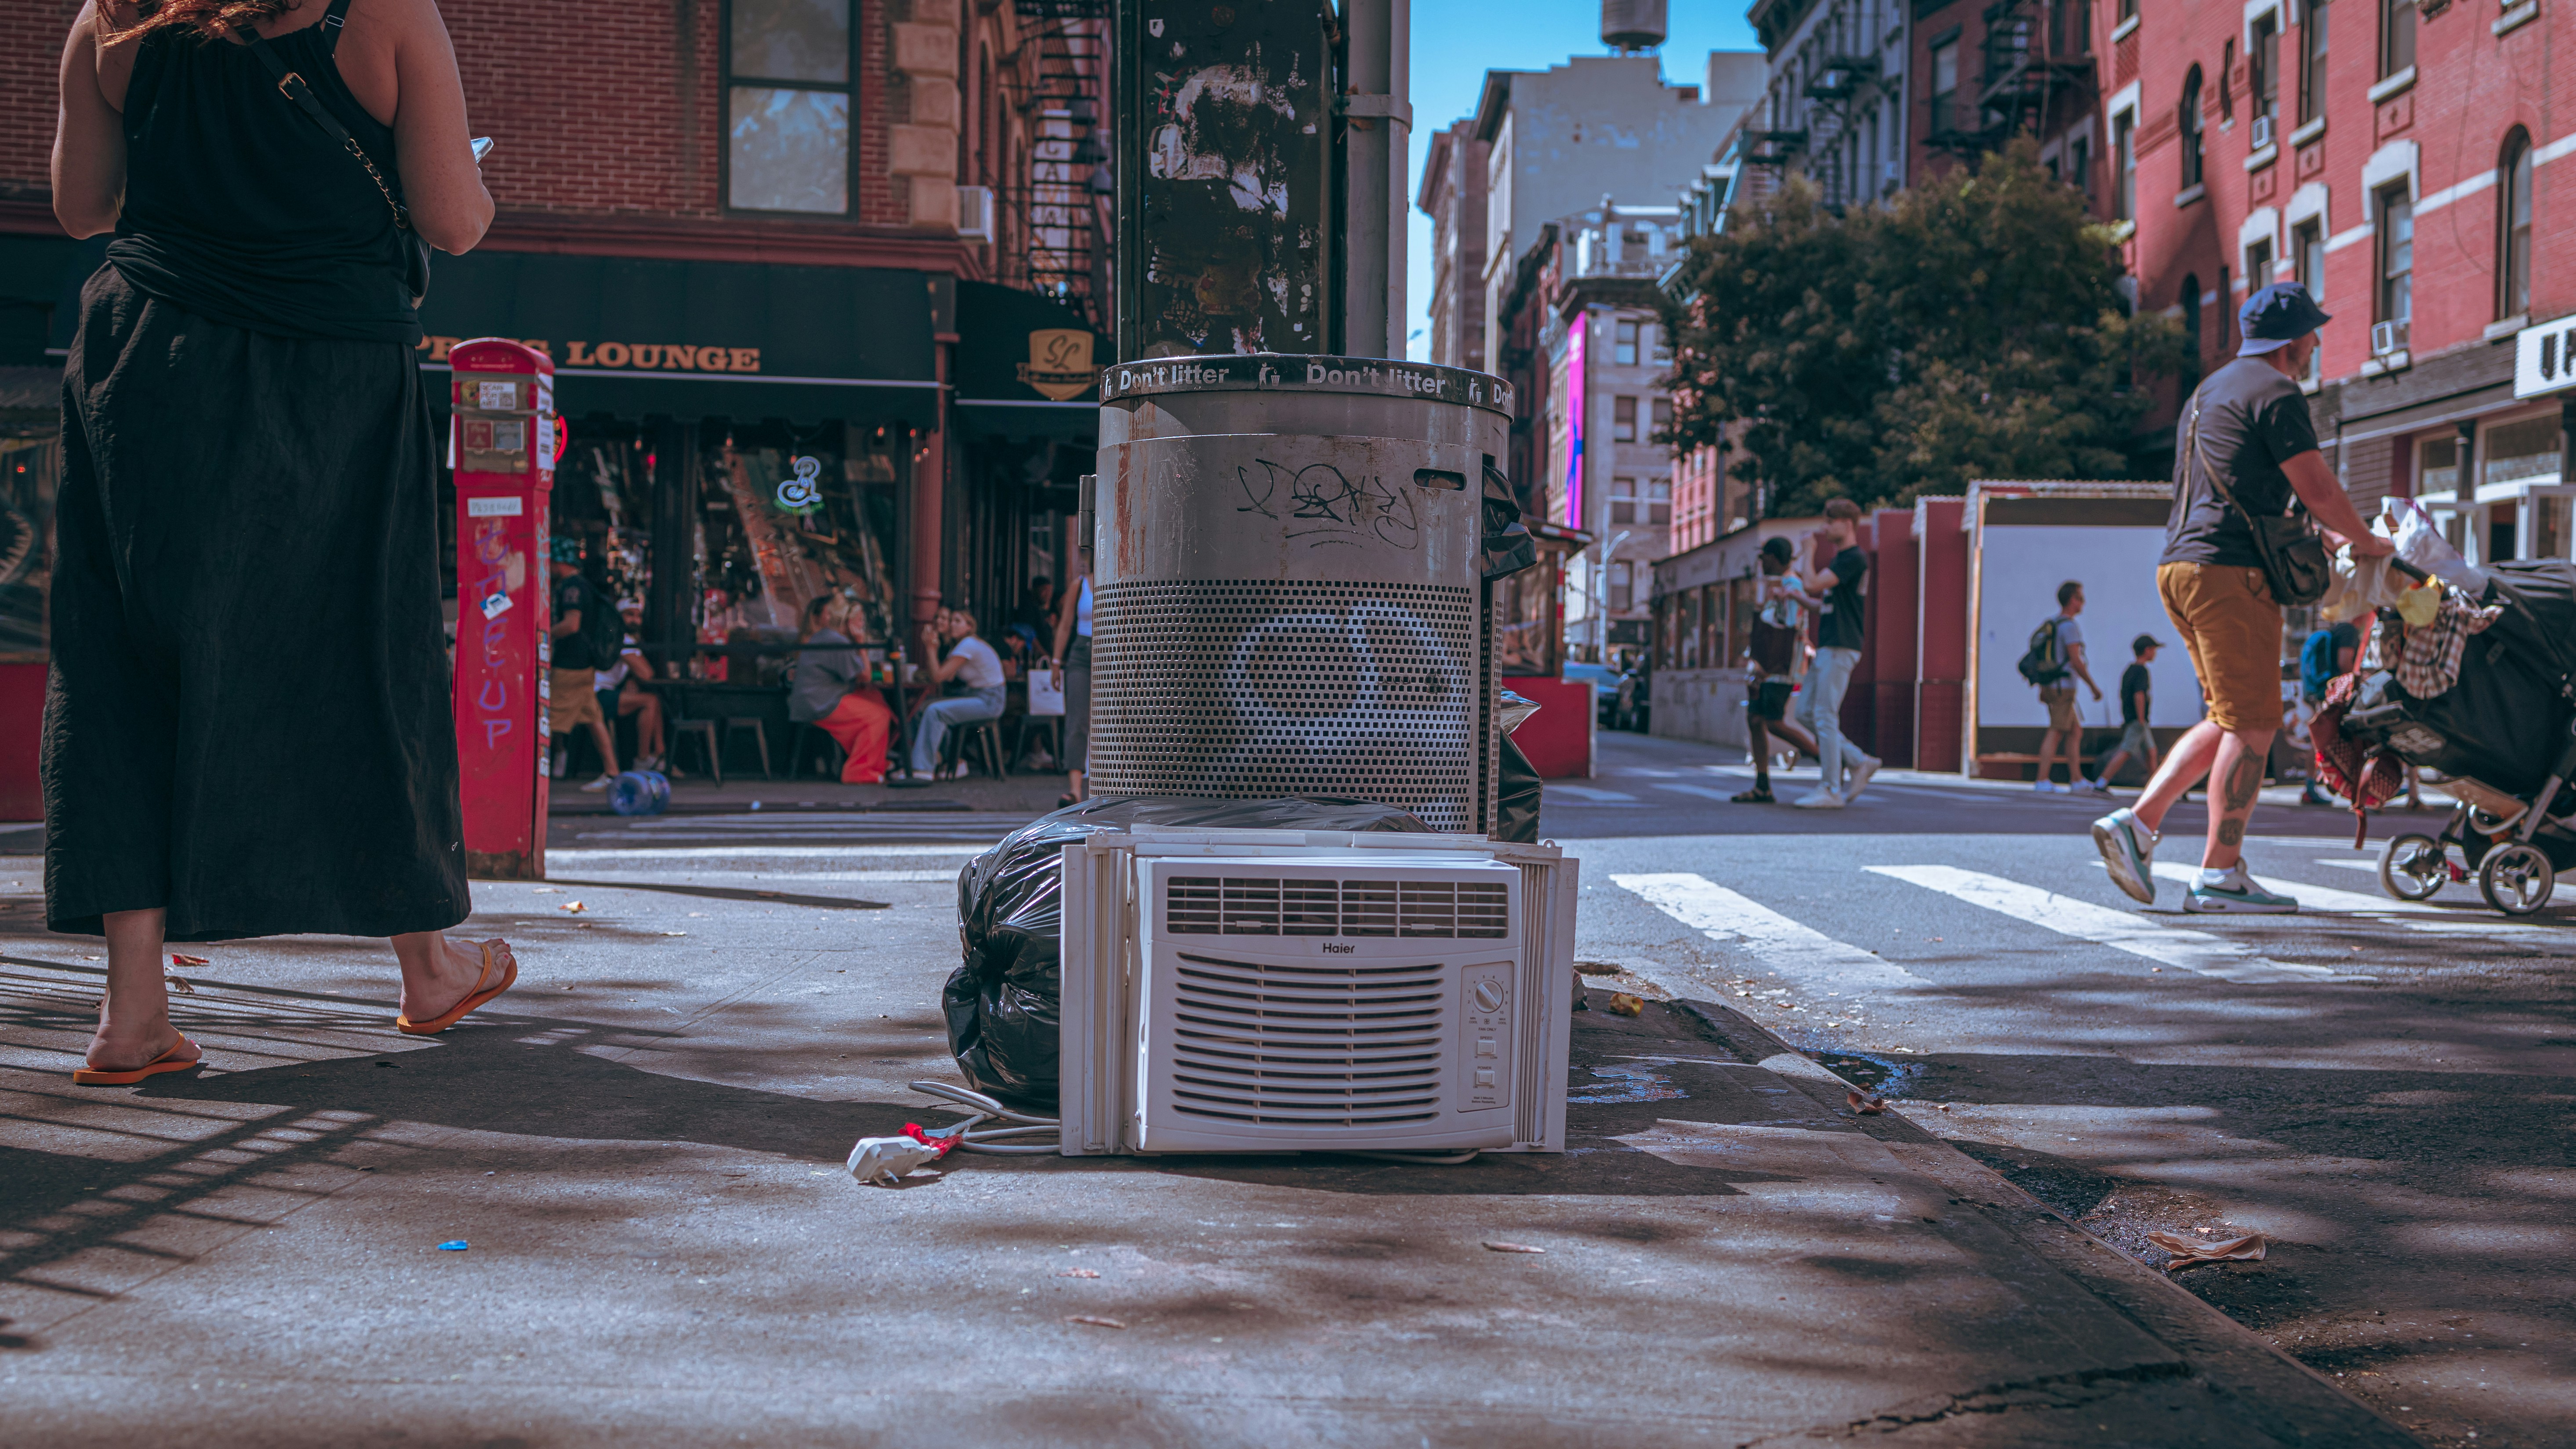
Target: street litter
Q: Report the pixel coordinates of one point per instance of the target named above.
(182, 987)
(573, 906)
(1095, 1322)
(1866, 1106)
(452, 1245)
(1625, 1005)
(2188, 1253)
(178, 960)
(1079, 1273)
(885, 1160)
(1495, 1247)
(1597, 968)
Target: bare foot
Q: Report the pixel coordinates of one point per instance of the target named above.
(455, 971)
(123, 1053)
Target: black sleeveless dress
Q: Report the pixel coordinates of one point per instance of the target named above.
(247, 718)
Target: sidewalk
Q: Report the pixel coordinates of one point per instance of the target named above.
(1028, 795)
(643, 1148)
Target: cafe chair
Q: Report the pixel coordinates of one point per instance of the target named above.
(759, 736)
(807, 735)
(703, 731)
(984, 737)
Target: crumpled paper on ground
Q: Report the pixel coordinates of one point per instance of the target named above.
(2189, 1252)
(884, 1160)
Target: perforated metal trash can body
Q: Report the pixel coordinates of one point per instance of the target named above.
(1285, 575)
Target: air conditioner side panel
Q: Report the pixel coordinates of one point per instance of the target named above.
(1092, 1016)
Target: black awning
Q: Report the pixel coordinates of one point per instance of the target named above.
(1027, 366)
(693, 339)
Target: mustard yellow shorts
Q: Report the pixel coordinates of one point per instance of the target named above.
(570, 701)
(2232, 630)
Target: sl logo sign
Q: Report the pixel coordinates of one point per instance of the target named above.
(1059, 364)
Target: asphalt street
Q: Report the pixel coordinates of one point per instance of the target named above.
(2383, 1089)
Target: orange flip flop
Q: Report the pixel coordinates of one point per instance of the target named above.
(169, 1061)
(477, 997)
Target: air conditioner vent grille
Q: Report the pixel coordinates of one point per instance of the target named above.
(1322, 1045)
(1256, 906)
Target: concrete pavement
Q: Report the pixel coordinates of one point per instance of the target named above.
(642, 1148)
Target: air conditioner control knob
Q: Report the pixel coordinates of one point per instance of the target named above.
(1489, 996)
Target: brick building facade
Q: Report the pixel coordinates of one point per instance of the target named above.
(2409, 164)
(749, 232)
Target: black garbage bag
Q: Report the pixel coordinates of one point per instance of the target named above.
(1001, 1005)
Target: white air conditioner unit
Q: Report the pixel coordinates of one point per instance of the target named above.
(2262, 132)
(2387, 337)
(1286, 991)
(975, 213)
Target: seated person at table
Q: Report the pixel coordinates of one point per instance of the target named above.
(825, 693)
(972, 662)
(622, 691)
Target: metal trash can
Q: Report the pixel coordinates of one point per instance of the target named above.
(1286, 585)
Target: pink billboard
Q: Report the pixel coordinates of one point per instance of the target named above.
(1574, 407)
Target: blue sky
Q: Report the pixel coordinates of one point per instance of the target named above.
(1456, 41)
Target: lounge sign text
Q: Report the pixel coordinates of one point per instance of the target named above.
(627, 356)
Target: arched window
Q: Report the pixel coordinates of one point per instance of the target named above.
(2513, 226)
(2190, 127)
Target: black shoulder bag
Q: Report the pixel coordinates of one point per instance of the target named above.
(2295, 565)
(415, 252)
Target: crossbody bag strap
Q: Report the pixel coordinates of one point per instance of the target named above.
(292, 86)
(2200, 456)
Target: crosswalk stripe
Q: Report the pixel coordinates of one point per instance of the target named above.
(1797, 952)
(2453, 920)
(1702, 791)
(1587, 795)
(2195, 951)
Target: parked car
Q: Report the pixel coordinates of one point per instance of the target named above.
(1605, 683)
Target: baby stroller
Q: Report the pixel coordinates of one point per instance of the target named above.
(2504, 735)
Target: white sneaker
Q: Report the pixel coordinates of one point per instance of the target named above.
(602, 783)
(1858, 779)
(1819, 800)
(2046, 787)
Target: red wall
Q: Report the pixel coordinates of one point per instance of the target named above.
(1557, 739)
(22, 716)
(1941, 589)
(1890, 661)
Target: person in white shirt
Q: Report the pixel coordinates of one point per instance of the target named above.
(973, 663)
(1073, 654)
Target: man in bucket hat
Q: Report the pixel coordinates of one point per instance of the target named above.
(2252, 425)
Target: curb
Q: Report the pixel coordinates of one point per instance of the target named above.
(2264, 1386)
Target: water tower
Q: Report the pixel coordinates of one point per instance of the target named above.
(1632, 25)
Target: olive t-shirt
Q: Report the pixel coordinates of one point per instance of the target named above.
(2252, 420)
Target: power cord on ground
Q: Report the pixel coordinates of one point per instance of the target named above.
(1028, 1135)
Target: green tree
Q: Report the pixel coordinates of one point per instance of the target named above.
(1970, 327)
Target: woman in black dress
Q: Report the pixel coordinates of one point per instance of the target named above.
(247, 728)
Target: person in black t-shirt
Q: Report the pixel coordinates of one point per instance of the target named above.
(1773, 666)
(571, 700)
(1838, 642)
(2247, 426)
(2136, 685)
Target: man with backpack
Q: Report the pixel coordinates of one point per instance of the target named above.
(2054, 661)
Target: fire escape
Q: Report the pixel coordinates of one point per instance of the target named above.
(1061, 251)
(2037, 63)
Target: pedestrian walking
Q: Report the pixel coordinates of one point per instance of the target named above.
(824, 691)
(2137, 740)
(2245, 449)
(1771, 666)
(247, 729)
(2325, 656)
(973, 663)
(1073, 655)
(2060, 642)
(1839, 635)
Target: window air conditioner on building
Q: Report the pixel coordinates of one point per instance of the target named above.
(2387, 337)
(2262, 132)
(975, 213)
(1284, 990)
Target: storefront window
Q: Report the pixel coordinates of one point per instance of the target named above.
(2437, 465)
(2527, 448)
(788, 106)
(2549, 527)
(30, 466)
